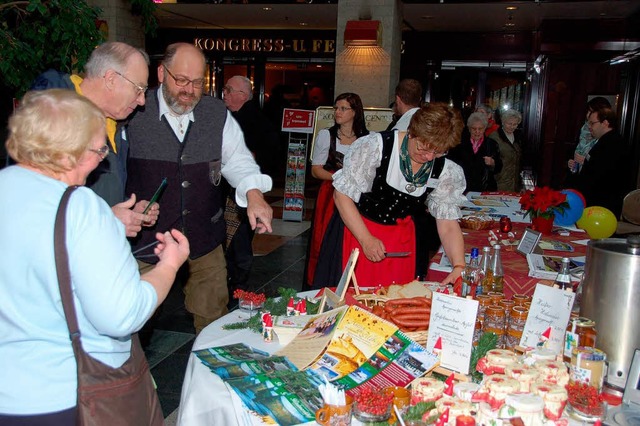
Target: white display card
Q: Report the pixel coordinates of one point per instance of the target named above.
(550, 307)
(453, 318)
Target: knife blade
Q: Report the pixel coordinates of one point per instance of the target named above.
(397, 254)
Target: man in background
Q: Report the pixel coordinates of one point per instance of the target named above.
(407, 101)
(115, 80)
(262, 140)
(193, 142)
(603, 179)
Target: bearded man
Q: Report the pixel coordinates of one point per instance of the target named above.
(193, 141)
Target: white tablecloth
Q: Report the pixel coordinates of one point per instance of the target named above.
(205, 400)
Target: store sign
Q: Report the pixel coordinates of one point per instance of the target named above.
(297, 120)
(266, 45)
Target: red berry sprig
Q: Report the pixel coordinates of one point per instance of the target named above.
(585, 398)
(250, 297)
(374, 401)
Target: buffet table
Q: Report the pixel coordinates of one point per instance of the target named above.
(205, 400)
(516, 269)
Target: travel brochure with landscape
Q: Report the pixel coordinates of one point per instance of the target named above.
(349, 346)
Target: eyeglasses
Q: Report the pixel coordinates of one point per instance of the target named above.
(341, 109)
(429, 149)
(198, 83)
(592, 123)
(139, 89)
(102, 152)
(229, 89)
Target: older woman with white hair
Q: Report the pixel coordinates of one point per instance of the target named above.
(510, 141)
(478, 155)
(57, 138)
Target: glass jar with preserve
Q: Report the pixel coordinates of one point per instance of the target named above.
(580, 332)
(588, 366)
(494, 317)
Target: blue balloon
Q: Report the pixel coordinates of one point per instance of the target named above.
(573, 212)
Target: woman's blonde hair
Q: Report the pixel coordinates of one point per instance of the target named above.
(437, 124)
(51, 129)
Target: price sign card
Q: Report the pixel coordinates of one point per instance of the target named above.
(548, 318)
(453, 319)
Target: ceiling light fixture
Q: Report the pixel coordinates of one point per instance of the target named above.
(512, 8)
(363, 34)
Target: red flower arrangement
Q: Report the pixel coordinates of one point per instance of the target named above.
(543, 202)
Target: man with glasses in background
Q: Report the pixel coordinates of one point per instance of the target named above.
(604, 177)
(193, 142)
(115, 80)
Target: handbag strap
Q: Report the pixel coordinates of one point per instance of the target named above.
(62, 265)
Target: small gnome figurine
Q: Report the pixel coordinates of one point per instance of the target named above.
(448, 390)
(437, 348)
(267, 326)
(290, 308)
(301, 307)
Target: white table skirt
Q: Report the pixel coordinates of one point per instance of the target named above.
(205, 400)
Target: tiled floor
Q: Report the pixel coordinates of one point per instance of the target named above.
(279, 261)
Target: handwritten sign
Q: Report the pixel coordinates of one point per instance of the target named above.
(453, 318)
(550, 307)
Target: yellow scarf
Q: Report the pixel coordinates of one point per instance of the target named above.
(111, 123)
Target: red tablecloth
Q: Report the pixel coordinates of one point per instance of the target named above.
(516, 270)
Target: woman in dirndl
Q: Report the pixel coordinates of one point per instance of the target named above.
(328, 153)
(389, 178)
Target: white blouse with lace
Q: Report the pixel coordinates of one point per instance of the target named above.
(364, 157)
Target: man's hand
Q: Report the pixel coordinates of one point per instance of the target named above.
(131, 219)
(153, 212)
(260, 213)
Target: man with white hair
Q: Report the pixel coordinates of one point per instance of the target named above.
(115, 80)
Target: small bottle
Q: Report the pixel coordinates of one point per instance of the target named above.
(496, 268)
(470, 280)
(485, 271)
(563, 279)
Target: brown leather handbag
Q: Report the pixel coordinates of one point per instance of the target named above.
(106, 396)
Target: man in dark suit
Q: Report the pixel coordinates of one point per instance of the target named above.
(603, 179)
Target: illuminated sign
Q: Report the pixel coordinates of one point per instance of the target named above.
(267, 45)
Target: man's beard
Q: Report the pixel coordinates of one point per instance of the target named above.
(174, 103)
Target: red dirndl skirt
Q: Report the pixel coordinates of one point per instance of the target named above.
(400, 237)
(321, 216)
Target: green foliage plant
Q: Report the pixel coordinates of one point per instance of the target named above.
(36, 35)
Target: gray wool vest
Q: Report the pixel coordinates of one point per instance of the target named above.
(193, 199)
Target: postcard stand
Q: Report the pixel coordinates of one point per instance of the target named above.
(330, 299)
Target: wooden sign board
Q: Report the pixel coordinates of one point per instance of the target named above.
(330, 299)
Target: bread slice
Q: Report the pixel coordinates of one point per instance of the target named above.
(415, 289)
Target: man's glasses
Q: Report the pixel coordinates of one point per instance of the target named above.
(102, 151)
(139, 89)
(341, 109)
(593, 123)
(228, 89)
(198, 83)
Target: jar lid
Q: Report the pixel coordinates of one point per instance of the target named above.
(587, 353)
(525, 403)
(583, 322)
